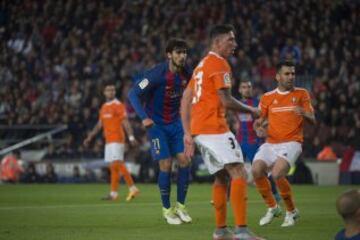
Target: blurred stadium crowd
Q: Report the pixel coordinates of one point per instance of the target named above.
(55, 55)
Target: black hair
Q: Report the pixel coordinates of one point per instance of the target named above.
(176, 43)
(108, 83)
(286, 63)
(220, 29)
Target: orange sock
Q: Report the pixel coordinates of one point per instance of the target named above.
(285, 192)
(264, 187)
(219, 198)
(114, 171)
(128, 179)
(238, 196)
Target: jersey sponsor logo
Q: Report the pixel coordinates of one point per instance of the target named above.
(227, 79)
(245, 117)
(283, 109)
(144, 83)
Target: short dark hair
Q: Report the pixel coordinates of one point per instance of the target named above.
(286, 63)
(220, 29)
(108, 83)
(348, 203)
(176, 43)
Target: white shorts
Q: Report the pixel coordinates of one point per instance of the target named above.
(269, 152)
(114, 151)
(218, 150)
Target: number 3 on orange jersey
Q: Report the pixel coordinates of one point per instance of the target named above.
(198, 86)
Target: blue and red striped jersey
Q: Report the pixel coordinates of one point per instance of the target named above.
(157, 94)
(245, 133)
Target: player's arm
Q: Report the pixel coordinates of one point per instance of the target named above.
(306, 110)
(139, 89)
(230, 102)
(308, 116)
(260, 127)
(185, 112)
(93, 133)
(129, 131)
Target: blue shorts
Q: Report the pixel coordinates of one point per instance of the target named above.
(249, 151)
(166, 140)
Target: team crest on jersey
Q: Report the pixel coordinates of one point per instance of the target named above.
(144, 83)
(275, 101)
(293, 100)
(227, 79)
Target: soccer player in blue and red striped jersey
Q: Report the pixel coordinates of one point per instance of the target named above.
(245, 132)
(156, 99)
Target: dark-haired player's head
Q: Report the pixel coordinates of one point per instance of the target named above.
(109, 90)
(222, 40)
(285, 75)
(348, 206)
(245, 89)
(176, 51)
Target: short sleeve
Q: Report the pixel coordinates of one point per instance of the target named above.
(191, 84)
(263, 106)
(306, 102)
(121, 111)
(220, 73)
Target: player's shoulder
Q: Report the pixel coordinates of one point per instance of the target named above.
(157, 69)
(113, 103)
(270, 93)
(299, 90)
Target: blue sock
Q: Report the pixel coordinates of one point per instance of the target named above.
(164, 186)
(182, 183)
(274, 189)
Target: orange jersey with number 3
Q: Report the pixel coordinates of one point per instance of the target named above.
(111, 116)
(208, 113)
(278, 107)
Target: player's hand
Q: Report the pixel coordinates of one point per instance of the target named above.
(87, 141)
(261, 132)
(147, 122)
(255, 112)
(189, 145)
(133, 142)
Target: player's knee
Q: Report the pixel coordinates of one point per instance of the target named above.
(257, 171)
(165, 165)
(183, 161)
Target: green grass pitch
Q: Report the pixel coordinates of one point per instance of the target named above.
(75, 212)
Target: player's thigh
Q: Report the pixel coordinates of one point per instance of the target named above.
(265, 154)
(159, 143)
(290, 151)
(287, 154)
(114, 152)
(280, 168)
(175, 137)
(217, 150)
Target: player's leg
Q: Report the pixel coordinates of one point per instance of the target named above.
(262, 161)
(160, 152)
(289, 152)
(219, 196)
(175, 135)
(112, 156)
(114, 180)
(133, 190)
(238, 198)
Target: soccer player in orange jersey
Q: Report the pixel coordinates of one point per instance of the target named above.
(203, 116)
(284, 110)
(113, 120)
